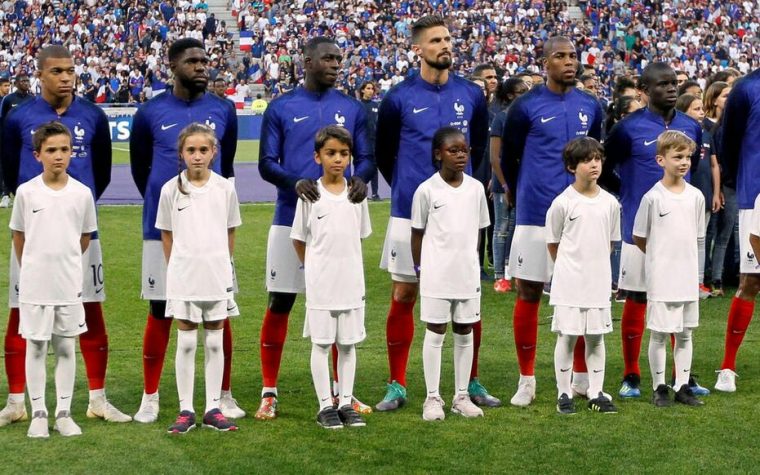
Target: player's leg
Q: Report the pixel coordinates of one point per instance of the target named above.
(350, 331)
(580, 371)
(633, 322)
(477, 392)
(657, 356)
(563, 364)
(682, 356)
(155, 342)
(15, 361)
(596, 360)
(525, 325)
(184, 364)
(321, 326)
(465, 311)
(356, 404)
(274, 329)
(65, 372)
(227, 404)
(214, 318)
(435, 334)
(36, 373)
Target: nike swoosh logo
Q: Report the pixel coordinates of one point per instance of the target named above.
(664, 214)
(320, 217)
(97, 291)
(573, 219)
(564, 370)
(598, 370)
(229, 309)
(37, 210)
(36, 398)
(299, 119)
(543, 121)
(81, 325)
(417, 111)
(439, 206)
(167, 127)
(65, 397)
(647, 143)
(180, 209)
(528, 347)
(659, 372)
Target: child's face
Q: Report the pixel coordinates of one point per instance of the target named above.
(453, 153)
(198, 151)
(675, 162)
(589, 170)
(55, 154)
(334, 156)
(696, 111)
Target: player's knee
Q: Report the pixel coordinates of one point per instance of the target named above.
(529, 291)
(439, 328)
(636, 296)
(461, 328)
(404, 292)
(158, 309)
(281, 302)
(749, 286)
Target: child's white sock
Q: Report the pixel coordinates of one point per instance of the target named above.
(595, 361)
(657, 355)
(184, 363)
(320, 374)
(346, 373)
(682, 354)
(463, 347)
(213, 366)
(65, 371)
(36, 375)
(563, 363)
(431, 361)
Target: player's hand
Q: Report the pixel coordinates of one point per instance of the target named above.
(357, 189)
(307, 190)
(716, 203)
(510, 198)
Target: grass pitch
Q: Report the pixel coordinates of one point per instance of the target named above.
(717, 438)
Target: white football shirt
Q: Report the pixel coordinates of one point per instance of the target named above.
(451, 218)
(584, 228)
(671, 223)
(53, 222)
(199, 267)
(332, 229)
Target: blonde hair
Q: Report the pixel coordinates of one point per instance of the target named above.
(196, 128)
(674, 140)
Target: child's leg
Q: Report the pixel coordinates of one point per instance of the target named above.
(595, 361)
(431, 357)
(346, 372)
(657, 353)
(65, 371)
(187, 342)
(563, 363)
(682, 354)
(320, 374)
(463, 356)
(213, 338)
(36, 375)
(227, 355)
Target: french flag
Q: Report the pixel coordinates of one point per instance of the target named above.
(255, 73)
(246, 40)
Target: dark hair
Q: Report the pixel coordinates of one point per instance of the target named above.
(311, 46)
(586, 76)
(440, 136)
(21, 76)
(622, 84)
(192, 129)
(617, 110)
(686, 85)
(365, 84)
(332, 132)
(52, 51)
(711, 97)
(181, 45)
(582, 149)
(684, 102)
(722, 76)
(482, 67)
(47, 130)
(425, 23)
(509, 86)
(5, 79)
(220, 79)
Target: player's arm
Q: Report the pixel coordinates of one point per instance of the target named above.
(388, 137)
(300, 248)
(718, 200)
(754, 241)
(228, 142)
(231, 240)
(141, 151)
(11, 152)
(420, 210)
(595, 129)
(101, 155)
(497, 129)
(19, 238)
(730, 134)
(616, 146)
(167, 240)
(300, 229)
(364, 165)
(479, 131)
(641, 243)
(513, 139)
(417, 235)
(642, 224)
(555, 219)
(84, 241)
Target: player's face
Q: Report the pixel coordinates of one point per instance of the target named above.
(324, 66)
(675, 162)
(197, 152)
(720, 102)
(662, 89)
(453, 154)
(55, 154)
(191, 69)
(490, 79)
(5, 88)
(23, 85)
(219, 88)
(562, 64)
(434, 47)
(589, 170)
(591, 86)
(334, 156)
(696, 110)
(57, 77)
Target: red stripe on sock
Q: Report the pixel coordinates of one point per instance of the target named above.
(477, 332)
(399, 331)
(155, 341)
(227, 348)
(739, 317)
(94, 346)
(15, 355)
(273, 333)
(579, 356)
(335, 361)
(632, 331)
(525, 324)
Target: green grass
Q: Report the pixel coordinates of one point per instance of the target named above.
(717, 438)
(247, 151)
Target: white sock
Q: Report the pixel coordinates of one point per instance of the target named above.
(506, 271)
(336, 387)
(346, 373)
(563, 363)
(682, 354)
(320, 374)
(36, 375)
(657, 353)
(463, 348)
(184, 363)
(213, 366)
(431, 361)
(16, 397)
(97, 393)
(267, 389)
(595, 361)
(65, 371)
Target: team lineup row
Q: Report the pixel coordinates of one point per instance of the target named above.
(539, 125)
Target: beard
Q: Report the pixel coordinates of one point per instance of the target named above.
(441, 62)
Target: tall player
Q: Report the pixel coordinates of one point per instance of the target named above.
(631, 149)
(287, 160)
(739, 152)
(91, 165)
(153, 156)
(409, 116)
(539, 124)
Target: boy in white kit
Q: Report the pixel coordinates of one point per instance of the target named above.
(53, 216)
(668, 225)
(448, 211)
(327, 237)
(581, 225)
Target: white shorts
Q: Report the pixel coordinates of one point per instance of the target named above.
(40, 322)
(93, 289)
(153, 270)
(325, 327)
(284, 271)
(632, 263)
(672, 317)
(199, 311)
(581, 321)
(748, 262)
(397, 251)
(529, 257)
(437, 311)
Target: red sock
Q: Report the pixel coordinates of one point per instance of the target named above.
(15, 355)
(477, 331)
(155, 341)
(273, 333)
(632, 330)
(525, 323)
(227, 348)
(94, 346)
(579, 356)
(399, 332)
(739, 317)
(335, 361)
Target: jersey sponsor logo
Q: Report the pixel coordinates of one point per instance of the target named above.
(340, 119)
(417, 111)
(37, 210)
(519, 261)
(299, 119)
(598, 370)
(664, 214)
(543, 120)
(167, 127)
(393, 253)
(647, 143)
(81, 325)
(231, 308)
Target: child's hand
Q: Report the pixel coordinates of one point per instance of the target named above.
(357, 189)
(307, 190)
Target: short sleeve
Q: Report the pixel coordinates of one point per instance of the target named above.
(17, 213)
(642, 222)
(233, 208)
(485, 218)
(164, 215)
(90, 219)
(420, 207)
(366, 225)
(555, 220)
(754, 224)
(300, 227)
(614, 220)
